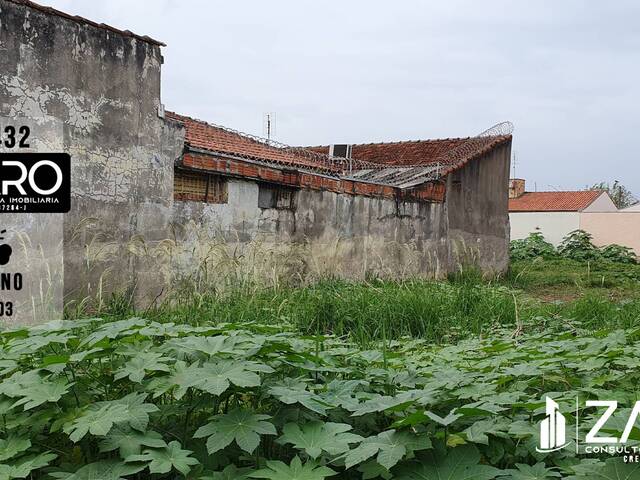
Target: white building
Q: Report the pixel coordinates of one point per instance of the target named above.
(554, 214)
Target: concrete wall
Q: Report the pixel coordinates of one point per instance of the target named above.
(477, 207)
(553, 225)
(104, 88)
(622, 227)
(350, 236)
(324, 234)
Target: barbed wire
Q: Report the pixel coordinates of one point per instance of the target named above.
(401, 176)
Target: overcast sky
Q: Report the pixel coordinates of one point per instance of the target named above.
(567, 74)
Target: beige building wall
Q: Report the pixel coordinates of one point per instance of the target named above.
(553, 225)
(602, 204)
(622, 227)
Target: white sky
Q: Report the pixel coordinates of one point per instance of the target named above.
(566, 73)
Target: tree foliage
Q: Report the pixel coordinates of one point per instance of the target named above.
(621, 195)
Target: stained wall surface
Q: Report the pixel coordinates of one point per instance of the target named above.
(104, 89)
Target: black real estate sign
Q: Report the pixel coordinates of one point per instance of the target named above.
(35, 182)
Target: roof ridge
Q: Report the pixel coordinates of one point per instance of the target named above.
(398, 142)
(86, 21)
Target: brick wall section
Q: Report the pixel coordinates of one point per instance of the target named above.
(434, 192)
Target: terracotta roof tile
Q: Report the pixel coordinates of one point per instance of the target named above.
(202, 135)
(553, 201)
(419, 152)
(451, 153)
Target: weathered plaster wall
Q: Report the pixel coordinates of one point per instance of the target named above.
(477, 208)
(353, 236)
(105, 90)
(325, 234)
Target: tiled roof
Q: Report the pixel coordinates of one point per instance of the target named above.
(400, 164)
(215, 139)
(85, 21)
(419, 152)
(553, 201)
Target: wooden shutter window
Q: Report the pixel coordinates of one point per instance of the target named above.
(200, 187)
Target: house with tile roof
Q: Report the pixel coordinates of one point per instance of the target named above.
(143, 178)
(554, 213)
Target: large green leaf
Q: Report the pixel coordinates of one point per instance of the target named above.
(216, 377)
(389, 446)
(136, 410)
(243, 426)
(113, 329)
(613, 469)
(460, 463)
(95, 421)
(130, 442)
(100, 417)
(531, 472)
(12, 446)
(211, 377)
(32, 389)
(231, 472)
(22, 467)
(291, 392)
(162, 460)
(102, 470)
(277, 470)
(316, 437)
(136, 368)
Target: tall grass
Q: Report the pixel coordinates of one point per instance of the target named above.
(363, 311)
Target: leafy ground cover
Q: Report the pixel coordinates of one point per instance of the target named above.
(88, 399)
(375, 380)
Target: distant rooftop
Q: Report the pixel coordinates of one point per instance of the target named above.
(571, 201)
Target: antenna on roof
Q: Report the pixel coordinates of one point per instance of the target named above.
(514, 165)
(269, 125)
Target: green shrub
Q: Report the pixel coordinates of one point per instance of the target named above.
(577, 246)
(618, 254)
(138, 399)
(533, 246)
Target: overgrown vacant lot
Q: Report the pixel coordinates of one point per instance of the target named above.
(412, 380)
